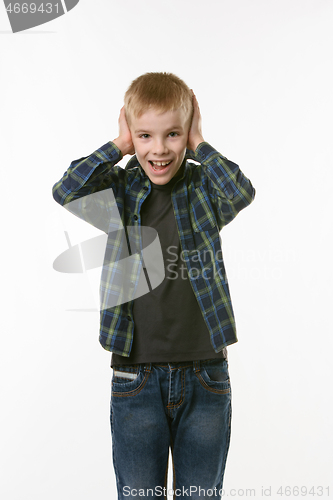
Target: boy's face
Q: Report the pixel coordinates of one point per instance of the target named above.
(160, 141)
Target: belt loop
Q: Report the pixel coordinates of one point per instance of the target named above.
(147, 367)
(196, 366)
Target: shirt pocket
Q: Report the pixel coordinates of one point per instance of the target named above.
(201, 212)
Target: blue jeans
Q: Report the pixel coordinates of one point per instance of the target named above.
(183, 406)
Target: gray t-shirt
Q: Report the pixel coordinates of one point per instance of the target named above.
(168, 323)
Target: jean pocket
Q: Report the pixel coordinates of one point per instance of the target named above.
(123, 376)
(128, 381)
(214, 376)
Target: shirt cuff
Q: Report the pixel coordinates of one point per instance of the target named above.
(203, 152)
(112, 152)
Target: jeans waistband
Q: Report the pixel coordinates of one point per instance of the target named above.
(147, 367)
(181, 364)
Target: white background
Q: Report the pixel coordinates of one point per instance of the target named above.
(262, 73)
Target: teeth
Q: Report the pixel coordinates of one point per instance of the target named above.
(157, 165)
(161, 163)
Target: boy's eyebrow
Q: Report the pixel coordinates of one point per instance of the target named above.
(143, 131)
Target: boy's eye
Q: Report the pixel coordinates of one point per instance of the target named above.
(173, 134)
(144, 136)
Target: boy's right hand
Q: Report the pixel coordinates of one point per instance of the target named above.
(124, 140)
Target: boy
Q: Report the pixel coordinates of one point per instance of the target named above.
(170, 386)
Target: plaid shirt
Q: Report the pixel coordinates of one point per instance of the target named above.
(205, 198)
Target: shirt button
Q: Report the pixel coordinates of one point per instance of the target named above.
(135, 217)
(129, 318)
(145, 188)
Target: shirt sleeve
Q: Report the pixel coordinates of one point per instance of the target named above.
(87, 188)
(229, 189)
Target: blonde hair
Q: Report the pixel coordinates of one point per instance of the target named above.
(160, 91)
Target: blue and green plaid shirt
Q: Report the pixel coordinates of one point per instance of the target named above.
(205, 198)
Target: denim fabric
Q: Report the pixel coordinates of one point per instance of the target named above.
(182, 406)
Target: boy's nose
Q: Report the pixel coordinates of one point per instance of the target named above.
(159, 147)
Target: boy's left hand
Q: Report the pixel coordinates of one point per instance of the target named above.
(195, 133)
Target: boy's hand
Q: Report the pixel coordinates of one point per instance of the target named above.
(195, 134)
(124, 140)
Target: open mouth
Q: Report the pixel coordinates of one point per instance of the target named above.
(159, 166)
